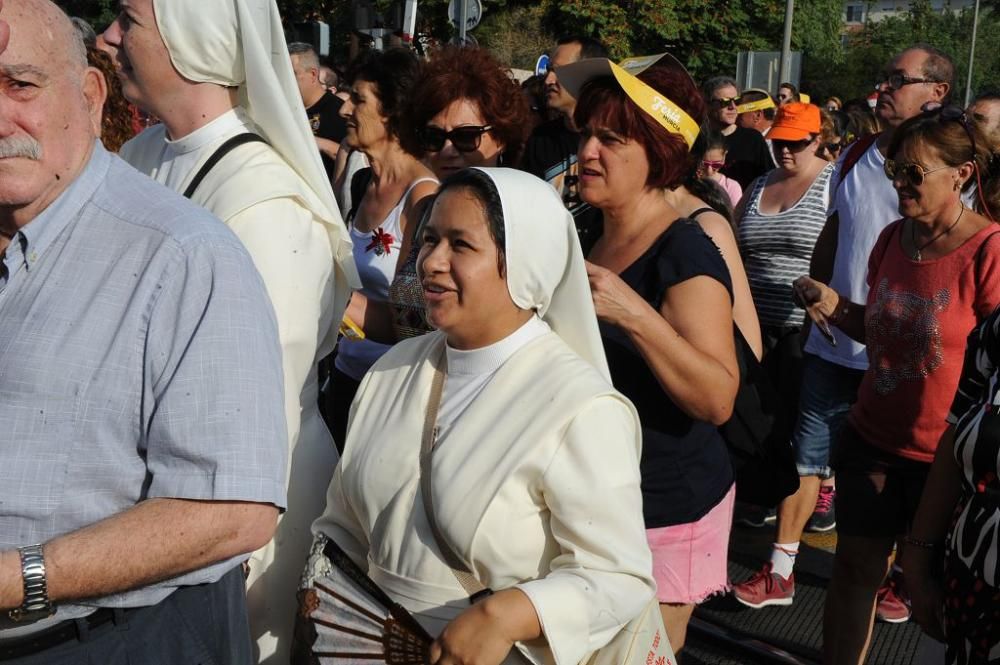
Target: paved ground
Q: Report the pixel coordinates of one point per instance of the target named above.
(724, 632)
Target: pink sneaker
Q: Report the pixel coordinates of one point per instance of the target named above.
(892, 606)
(824, 517)
(765, 588)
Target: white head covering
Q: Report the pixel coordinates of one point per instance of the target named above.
(545, 266)
(240, 43)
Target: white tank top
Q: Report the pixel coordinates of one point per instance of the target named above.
(375, 255)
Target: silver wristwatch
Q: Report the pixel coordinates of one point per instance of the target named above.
(36, 603)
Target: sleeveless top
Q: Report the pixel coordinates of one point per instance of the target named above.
(685, 465)
(376, 254)
(776, 248)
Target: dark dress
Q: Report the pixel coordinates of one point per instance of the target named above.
(685, 466)
(971, 569)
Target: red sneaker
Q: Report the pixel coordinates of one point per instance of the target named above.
(766, 588)
(892, 606)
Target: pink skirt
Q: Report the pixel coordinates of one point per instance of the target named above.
(690, 560)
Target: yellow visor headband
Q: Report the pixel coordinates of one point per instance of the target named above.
(759, 105)
(672, 117)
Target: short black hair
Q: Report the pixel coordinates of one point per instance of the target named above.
(987, 96)
(589, 47)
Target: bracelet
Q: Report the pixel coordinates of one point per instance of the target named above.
(922, 544)
(840, 311)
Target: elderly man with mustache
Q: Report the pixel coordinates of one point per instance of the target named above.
(141, 457)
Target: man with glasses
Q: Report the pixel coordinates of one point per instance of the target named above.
(550, 152)
(863, 204)
(747, 155)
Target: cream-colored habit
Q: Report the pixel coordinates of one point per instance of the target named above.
(277, 199)
(536, 482)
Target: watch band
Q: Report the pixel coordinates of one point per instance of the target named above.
(36, 603)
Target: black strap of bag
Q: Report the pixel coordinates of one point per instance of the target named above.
(219, 153)
(758, 434)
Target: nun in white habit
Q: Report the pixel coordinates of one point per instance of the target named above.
(534, 472)
(212, 70)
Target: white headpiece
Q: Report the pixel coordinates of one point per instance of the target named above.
(240, 43)
(545, 266)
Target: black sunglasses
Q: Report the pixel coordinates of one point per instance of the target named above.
(793, 146)
(724, 102)
(897, 81)
(908, 171)
(953, 113)
(465, 139)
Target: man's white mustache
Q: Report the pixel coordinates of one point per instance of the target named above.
(20, 146)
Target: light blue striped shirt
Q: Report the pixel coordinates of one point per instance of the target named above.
(139, 358)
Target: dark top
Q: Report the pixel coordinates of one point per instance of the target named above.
(747, 156)
(550, 154)
(326, 123)
(685, 465)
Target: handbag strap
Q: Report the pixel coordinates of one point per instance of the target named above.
(469, 582)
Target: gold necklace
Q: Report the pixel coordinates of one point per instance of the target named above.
(917, 256)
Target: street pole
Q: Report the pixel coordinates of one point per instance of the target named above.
(785, 66)
(972, 54)
(463, 19)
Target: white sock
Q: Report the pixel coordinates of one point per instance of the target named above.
(783, 558)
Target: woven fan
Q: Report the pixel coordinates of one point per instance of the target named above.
(356, 622)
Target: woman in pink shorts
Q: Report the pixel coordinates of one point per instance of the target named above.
(664, 299)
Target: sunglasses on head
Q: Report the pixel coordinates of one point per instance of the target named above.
(908, 171)
(725, 102)
(791, 146)
(465, 139)
(953, 114)
(713, 163)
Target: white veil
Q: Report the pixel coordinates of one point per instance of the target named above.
(240, 43)
(545, 266)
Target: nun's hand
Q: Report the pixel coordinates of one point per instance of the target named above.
(485, 633)
(614, 300)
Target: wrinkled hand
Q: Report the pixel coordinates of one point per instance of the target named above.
(926, 597)
(818, 299)
(614, 300)
(474, 637)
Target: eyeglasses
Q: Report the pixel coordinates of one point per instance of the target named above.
(908, 171)
(953, 114)
(724, 102)
(897, 81)
(465, 139)
(791, 146)
(713, 164)
(833, 147)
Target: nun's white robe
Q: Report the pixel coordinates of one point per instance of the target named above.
(535, 483)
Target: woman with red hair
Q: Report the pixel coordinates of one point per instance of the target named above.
(664, 298)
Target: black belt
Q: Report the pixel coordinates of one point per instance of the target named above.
(71, 629)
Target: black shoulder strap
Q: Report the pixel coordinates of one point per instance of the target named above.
(219, 153)
(700, 211)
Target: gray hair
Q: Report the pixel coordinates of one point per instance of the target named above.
(709, 87)
(86, 31)
(307, 54)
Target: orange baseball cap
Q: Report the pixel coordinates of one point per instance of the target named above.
(794, 122)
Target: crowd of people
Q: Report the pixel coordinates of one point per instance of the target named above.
(480, 341)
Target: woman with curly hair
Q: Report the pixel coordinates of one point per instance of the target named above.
(118, 117)
(466, 110)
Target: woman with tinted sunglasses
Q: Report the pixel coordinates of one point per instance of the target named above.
(465, 110)
(779, 219)
(933, 276)
(394, 191)
(713, 161)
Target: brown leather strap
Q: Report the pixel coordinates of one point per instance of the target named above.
(469, 582)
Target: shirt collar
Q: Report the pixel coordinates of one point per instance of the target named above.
(40, 232)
